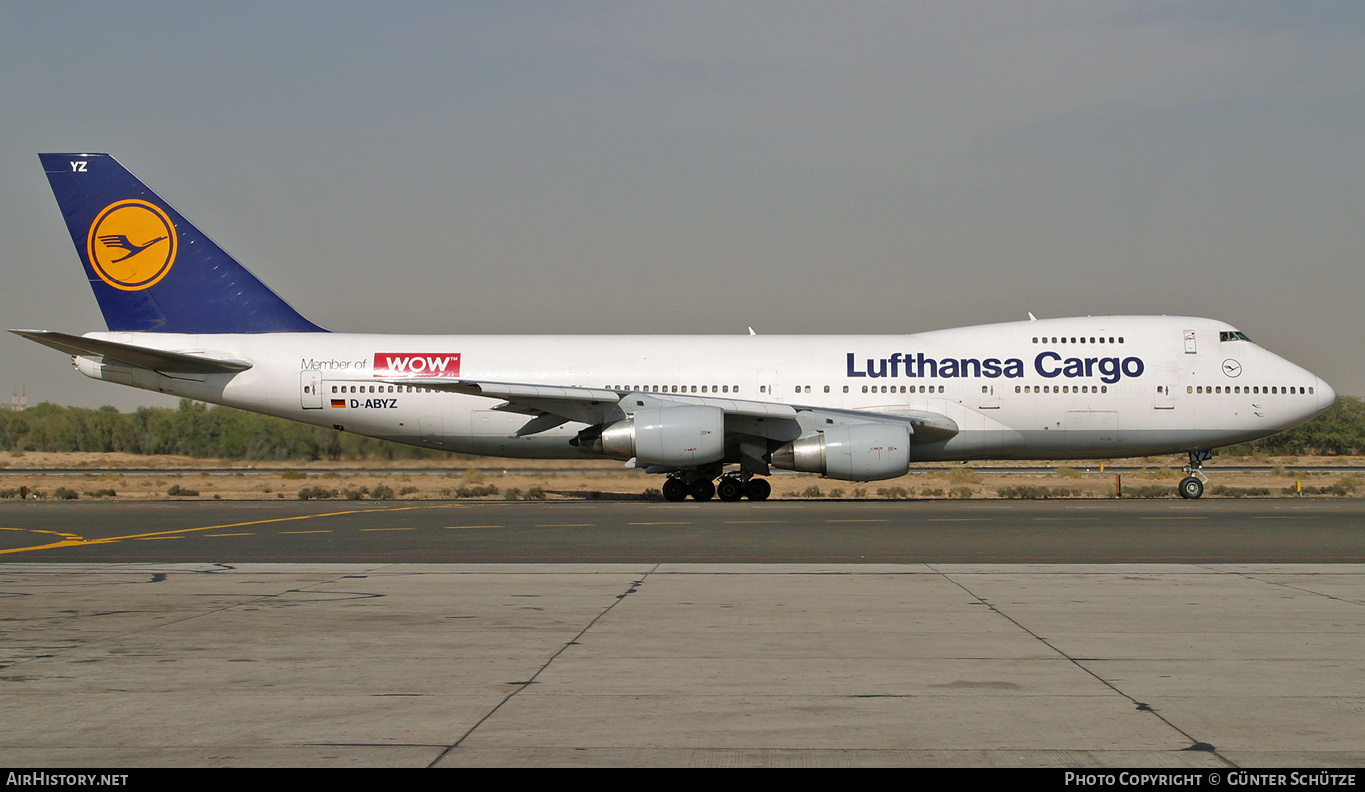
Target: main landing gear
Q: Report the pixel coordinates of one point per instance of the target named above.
(1192, 486)
(730, 487)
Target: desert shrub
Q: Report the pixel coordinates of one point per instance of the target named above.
(1035, 492)
(1225, 491)
(382, 492)
(64, 493)
(178, 491)
(1148, 491)
(317, 493)
(964, 475)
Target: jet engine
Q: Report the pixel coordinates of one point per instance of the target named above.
(676, 436)
(860, 452)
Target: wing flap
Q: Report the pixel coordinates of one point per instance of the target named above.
(132, 355)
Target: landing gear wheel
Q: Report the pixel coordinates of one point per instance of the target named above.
(1191, 487)
(703, 489)
(674, 490)
(730, 489)
(759, 489)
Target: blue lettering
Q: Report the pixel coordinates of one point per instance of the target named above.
(1038, 364)
(851, 372)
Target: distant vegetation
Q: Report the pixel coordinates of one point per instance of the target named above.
(194, 429)
(1339, 431)
(197, 430)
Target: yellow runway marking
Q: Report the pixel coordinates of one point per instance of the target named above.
(1289, 517)
(236, 534)
(846, 521)
(386, 529)
(73, 540)
(323, 530)
(563, 525)
(1172, 518)
(462, 527)
(1065, 518)
(754, 522)
(959, 519)
(660, 523)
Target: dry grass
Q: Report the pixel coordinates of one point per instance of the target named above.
(589, 478)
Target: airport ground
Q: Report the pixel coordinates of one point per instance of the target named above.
(132, 477)
(1205, 635)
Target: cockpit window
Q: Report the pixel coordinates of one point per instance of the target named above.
(1233, 335)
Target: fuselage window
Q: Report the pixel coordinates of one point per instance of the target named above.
(864, 389)
(845, 389)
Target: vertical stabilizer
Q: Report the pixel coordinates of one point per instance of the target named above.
(150, 269)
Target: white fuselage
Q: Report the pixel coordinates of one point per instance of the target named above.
(1111, 386)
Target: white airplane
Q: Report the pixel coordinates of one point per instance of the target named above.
(186, 319)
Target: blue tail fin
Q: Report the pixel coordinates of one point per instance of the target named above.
(150, 268)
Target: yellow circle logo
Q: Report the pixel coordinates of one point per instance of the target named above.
(132, 244)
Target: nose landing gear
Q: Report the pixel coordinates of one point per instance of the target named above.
(1192, 486)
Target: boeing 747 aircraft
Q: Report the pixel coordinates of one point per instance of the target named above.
(185, 318)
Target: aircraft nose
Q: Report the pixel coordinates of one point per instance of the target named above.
(1326, 396)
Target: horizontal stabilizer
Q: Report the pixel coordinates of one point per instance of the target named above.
(136, 356)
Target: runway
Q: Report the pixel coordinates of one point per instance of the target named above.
(985, 634)
(995, 531)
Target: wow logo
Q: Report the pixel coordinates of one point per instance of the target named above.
(132, 244)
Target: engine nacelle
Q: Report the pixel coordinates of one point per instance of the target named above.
(861, 452)
(676, 436)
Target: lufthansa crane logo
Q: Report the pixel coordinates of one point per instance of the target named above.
(1231, 367)
(132, 244)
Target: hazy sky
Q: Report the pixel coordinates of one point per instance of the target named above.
(685, 167)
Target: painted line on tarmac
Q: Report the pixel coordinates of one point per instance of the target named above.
(73, 540)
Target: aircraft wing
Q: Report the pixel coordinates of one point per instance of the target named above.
(553, 405)
(136, 356)
(588, 405)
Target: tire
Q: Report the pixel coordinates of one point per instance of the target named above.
(674, 490)
(730, 489)
(1191, 487)
(759, 489)
(703, 489)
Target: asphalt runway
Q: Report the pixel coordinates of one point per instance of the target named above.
(1195, 637)
(992, 531)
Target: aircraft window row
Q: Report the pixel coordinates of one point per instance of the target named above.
(1252, 389)
(892, 389)
(1059, 389)
(1076, 340)
(380, 389)
(675, 388)
(1232, 335)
